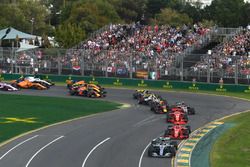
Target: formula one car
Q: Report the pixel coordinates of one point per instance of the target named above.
(139, 93)
(177, 117)
(26, 84)
(40, 81)
(177, 132)
(7, 87)
(162, 147)
(72, 83)
(147, 99)
(159, 107)
(187, 109)
(88, 90)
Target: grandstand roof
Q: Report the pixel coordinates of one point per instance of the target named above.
(12, 33)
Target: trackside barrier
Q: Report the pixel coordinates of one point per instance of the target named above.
(143, 84)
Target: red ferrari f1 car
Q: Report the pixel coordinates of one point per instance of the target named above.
(177, 132)
(177, 117)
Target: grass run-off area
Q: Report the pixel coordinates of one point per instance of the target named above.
(22, 113)
(233, 147)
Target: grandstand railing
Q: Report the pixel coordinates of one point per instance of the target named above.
(168, 66)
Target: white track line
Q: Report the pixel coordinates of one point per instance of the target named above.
(17, 146)
(42, 149)
(143, 152)
(85, 160)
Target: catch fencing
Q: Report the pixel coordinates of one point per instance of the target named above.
(143, 65)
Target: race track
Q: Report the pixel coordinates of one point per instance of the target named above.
(111, 139)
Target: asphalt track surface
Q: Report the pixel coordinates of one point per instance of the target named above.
(111, 139)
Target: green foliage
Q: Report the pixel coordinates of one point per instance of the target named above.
(207, 23)
(226, 13)
(130, 10)
(68, 35)
(33, 9)
(245, 18)
(19, 16)
(155, 6)
(11, 15)
(92, 15)
(172, 17)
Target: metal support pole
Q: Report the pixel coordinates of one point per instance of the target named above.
(59, 63)
(156, 68)
(82, 62)
(15, 63)
(12, 58)
(131, 66)
(236, 71)
(106, 68)
(182, 69)
(208, 69)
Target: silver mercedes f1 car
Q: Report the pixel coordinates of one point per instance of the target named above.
(7, 87)
(162, 147)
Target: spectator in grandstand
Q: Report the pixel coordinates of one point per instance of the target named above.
(149, 46)
(224, 56)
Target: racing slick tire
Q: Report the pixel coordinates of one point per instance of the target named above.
(191, 111)
(173, 151)
(186, 117)
(71, 92)
(167, 132)
(189, 128)
(150, 151)
(175, 144)
(168, 117)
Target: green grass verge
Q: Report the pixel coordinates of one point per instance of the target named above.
(15, 111)
(233, 147)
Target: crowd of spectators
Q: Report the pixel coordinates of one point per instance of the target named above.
(226, 55)
(114, 46)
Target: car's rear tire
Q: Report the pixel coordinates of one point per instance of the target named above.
(175, 144)
(150, 151)
(173, 151)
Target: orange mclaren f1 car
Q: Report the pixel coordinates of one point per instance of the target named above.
(72, 83)
(87, 90)
(26, 84)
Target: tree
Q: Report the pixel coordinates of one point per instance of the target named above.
(68, 35)
(20, 15)
(193, 11)
(155, 6)
(12, 16)
(226, 13)
(172, 17)
(92, 15)
(34, 10)
(245, 18)
(131, 10)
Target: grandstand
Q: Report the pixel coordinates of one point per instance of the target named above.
(125, 50)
